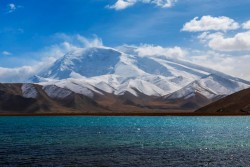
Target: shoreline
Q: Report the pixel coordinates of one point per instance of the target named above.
(126, 114)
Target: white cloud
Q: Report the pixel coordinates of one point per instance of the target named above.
(233, 65)
(208, 23)
(246, 25)
(11, 7)
(45, 57)
(218, 41)
(79, 40)
(237, 66)
(123, 4)
(55, 51)
(94, 42)
(205, 36)
(16, 74)
(151, 50)
(6, 53)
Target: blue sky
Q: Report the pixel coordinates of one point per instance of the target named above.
(29, 27)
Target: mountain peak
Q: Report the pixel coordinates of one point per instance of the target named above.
(122, 70)
(88, 62)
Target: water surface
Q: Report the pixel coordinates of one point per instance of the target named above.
(124, 141)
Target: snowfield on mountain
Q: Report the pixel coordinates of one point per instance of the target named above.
(119, 70)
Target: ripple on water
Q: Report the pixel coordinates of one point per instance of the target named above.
(125, 141)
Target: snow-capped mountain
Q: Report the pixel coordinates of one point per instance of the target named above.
(117, 81)
(116, 71)
(209, 86)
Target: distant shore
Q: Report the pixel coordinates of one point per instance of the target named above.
(126, 114)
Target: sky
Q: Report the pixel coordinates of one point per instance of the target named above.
(212, 33)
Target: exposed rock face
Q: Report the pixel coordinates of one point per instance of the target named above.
(29, 91)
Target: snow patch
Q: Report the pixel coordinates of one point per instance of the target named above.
(56, 92)
(97, 70)
(210, 87)
(29, 91)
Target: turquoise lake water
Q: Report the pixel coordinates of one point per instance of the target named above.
(124, 141)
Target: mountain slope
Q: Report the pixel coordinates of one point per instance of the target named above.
(85, 62)
(116, 72)
(237, 103)
(107, 80)
(34, 99)
(209, 86)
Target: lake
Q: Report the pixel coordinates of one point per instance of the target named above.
(124, 141)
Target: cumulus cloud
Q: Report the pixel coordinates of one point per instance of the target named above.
(224, 62)
(123, 4)
(218, 41)
(233, 65)
(208, 23)
(215, 33)
(203, 37)
(20, 74)
(227, 63)
(246, 25)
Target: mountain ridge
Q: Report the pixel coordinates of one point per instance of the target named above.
(118, 72)
(237, 103)
(118, 81)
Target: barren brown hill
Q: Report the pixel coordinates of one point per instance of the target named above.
(237, 103)
(12, 101)
(33, 99)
